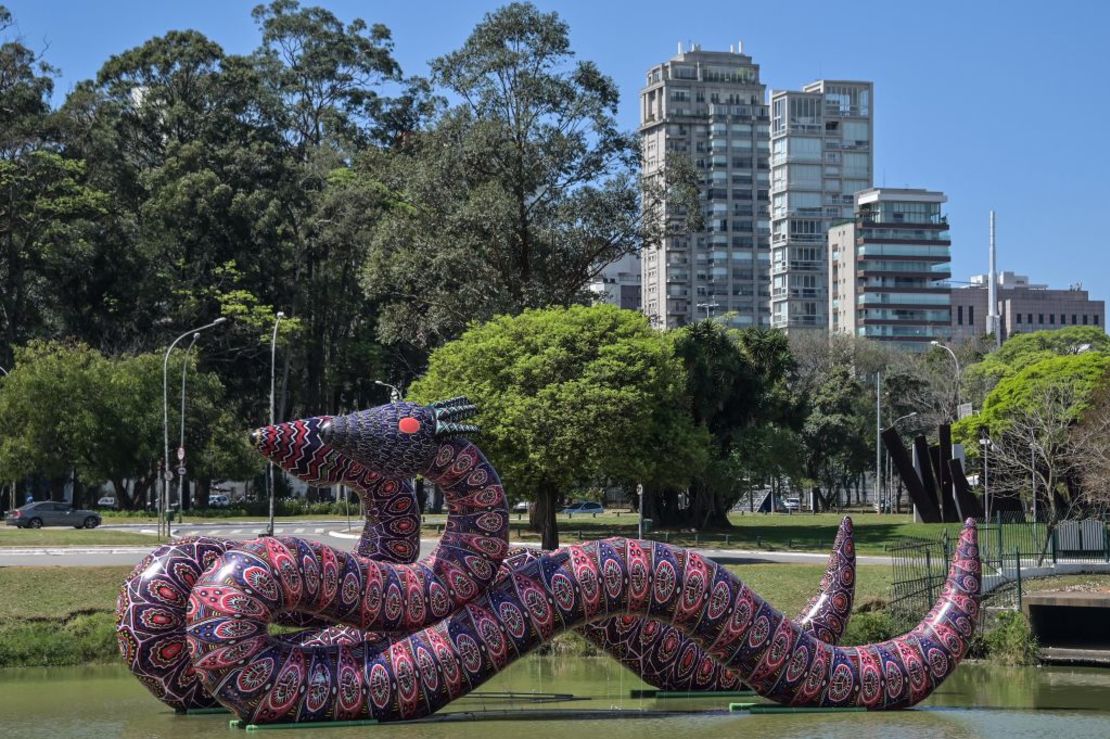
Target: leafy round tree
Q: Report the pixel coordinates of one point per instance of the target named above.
(569, 396)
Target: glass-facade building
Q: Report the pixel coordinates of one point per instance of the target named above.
(889, 268)
(710, 106)
(821, 156)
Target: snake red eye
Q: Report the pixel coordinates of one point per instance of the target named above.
(408, 425)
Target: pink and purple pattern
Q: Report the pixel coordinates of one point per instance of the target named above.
(414, 637)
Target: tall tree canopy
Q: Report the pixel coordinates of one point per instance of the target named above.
(570, 397)
(516, 196)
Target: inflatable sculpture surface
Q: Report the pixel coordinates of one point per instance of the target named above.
(385, 636)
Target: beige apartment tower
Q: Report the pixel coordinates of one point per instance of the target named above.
(821, 156)
(889, 269)
(709, 106)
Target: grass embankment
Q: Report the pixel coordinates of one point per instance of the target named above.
(58, 615)
(64, 615)
(13, 537)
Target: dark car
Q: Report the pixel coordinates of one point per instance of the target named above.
(49, 513)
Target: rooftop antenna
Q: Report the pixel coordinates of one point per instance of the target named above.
(680, 48)
(992, 290)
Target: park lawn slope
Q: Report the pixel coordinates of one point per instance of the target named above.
(58, 615)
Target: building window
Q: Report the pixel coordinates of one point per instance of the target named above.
(1029, 318)
(1084, 319)
(971, 315)
(1096, 319)
(1073, 319)
(1019, 318)
(1040, 318)
(1063, 319)
(960, 315)
(1052, 318)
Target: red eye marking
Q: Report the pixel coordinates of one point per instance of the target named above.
(408, 425)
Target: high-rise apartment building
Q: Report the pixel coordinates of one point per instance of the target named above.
(821, 155)
(889, 268)
(709, 105)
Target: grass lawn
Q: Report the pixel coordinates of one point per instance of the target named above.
(774, 532)
(13, 537)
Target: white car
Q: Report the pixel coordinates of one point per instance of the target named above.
(218, 501)
(792, 504)
(108, 501)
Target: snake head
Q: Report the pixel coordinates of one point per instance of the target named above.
(298, 447)
(399, 439)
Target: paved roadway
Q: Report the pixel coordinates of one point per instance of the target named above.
(333, 533)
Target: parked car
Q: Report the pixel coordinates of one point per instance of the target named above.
(48, 513)
(792, 505)
(521, 507)
(584, 506)
(108, 501)
(218, 501)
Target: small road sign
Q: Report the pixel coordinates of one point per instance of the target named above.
(181, 471)
(180, 453)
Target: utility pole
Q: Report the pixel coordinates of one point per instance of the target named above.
(878, 438)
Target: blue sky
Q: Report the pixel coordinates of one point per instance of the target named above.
(984, 100)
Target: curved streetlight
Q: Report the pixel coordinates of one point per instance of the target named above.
(13, 484)
(394, 393)
(166, 474)
(955, 359)
(903, 418)
(273, 374)
(181, 441)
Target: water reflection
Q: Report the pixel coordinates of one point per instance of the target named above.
(977, 701)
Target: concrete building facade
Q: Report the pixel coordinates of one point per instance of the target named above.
(710, 106)
(821, 156)
(1023, 307)
(889, 268)
(619, 283)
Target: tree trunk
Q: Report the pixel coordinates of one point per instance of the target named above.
(204, 491)
(542, 517)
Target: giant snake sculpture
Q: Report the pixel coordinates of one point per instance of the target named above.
(442, 626)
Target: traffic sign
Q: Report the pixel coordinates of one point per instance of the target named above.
(180, 453)
(167, 476)
(181, 471)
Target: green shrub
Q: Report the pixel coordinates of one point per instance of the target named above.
(1011, 641)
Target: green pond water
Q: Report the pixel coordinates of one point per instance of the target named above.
(579, 698)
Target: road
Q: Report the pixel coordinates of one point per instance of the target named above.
(333, 533)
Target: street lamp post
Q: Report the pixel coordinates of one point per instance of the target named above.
(708, 307)
(181, 441)
(166, 474)
(955, 359)
(273, 380)
(13, 483)
(986, 444)
(890, 475)
(394, 393)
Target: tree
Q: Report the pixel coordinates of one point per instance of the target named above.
(517, 196)
(835, 435)
(68, 409)
(1030, 419)
(1091, 440)
(569, 396)
(1024, 349)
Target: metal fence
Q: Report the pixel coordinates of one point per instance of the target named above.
(1008, 551)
